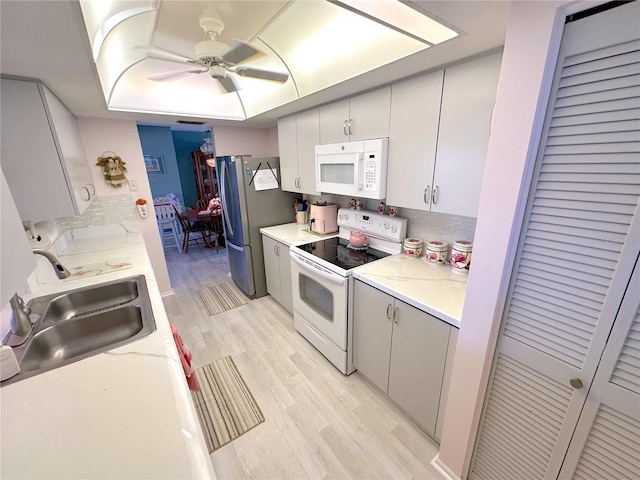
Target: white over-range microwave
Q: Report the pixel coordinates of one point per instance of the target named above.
(356, 169)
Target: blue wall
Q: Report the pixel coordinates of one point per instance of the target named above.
(159, 141)
(186, 142)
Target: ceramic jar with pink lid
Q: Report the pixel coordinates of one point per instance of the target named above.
(460, 258)
(436, 252)
(412, 247)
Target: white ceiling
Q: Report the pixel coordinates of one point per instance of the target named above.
(47, 40)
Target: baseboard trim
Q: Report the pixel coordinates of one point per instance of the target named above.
(442, 469)
(167, 293)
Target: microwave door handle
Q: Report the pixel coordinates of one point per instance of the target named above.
(360, 167)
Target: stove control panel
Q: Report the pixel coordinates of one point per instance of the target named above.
(374, 224)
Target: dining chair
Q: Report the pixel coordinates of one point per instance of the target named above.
(167, 223)
(215, 229)
(188, 228)
(202, 204)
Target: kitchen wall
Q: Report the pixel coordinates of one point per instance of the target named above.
(258, 142)
(530, 52)
(121, 136)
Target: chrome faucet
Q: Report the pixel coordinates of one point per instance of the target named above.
(19, 321)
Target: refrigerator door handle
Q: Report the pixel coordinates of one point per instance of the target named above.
(223, 197)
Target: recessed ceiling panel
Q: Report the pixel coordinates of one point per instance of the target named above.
(324, 44)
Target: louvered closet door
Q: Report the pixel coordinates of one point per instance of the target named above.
(575, 255)
(607, 439)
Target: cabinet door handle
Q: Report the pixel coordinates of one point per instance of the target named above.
(434, 195)
(85, 194)
(275, 250)
(344, 127)
(395, 314)
(350, 132)
(389, 311)
(425, 194)
(92, 189)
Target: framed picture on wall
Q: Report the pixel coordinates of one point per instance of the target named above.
(154, 164)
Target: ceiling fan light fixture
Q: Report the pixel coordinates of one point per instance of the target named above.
(210, 50)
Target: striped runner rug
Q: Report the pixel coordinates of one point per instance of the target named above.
(221, 297)
(226, 409)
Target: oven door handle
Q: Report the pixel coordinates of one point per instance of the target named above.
(329, 276)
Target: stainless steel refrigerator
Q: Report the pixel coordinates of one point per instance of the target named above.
(251, 198)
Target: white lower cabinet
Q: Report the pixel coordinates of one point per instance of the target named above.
(403, 351)
(277, 267)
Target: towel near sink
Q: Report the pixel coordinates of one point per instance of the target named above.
(185, 359)
(99, 268)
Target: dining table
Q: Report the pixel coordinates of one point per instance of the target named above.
(197, 215)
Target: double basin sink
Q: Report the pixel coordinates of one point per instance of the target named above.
(80, 323)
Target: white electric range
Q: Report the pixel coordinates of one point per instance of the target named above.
(323, 285)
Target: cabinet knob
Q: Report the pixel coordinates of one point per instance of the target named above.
(576, 383)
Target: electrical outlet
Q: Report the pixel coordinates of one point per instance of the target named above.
(133, 185)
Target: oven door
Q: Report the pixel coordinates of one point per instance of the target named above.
(320, 297)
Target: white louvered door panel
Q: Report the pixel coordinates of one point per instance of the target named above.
(574, 257)
(606, 443)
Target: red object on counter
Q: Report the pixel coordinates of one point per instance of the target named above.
(185, 359)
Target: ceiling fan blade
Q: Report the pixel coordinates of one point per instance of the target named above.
(228, 84)
(262, 74)
(174, 75)
(165, 52)
(239, 52)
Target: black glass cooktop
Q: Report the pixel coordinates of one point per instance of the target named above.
(334, 250)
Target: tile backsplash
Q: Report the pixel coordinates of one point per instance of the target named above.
(420, 224)
(105, 210)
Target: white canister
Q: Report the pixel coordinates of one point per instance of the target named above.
(436, 251)
(460, 258)
(412, 247)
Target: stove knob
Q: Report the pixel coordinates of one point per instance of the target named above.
(386, 226)
(394, 229)
(340, 216)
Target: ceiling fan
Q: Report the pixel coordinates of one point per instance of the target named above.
(218, 59)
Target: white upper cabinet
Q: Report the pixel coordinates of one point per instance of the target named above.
(17, 260)
(358, 118)
(288, 152)
(468, 97)
(439, 133)
(43, 157)
(415, 112)
(297, 137)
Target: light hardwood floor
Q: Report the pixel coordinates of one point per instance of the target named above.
(318, 422)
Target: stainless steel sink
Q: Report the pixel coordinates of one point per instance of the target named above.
(80, 323)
